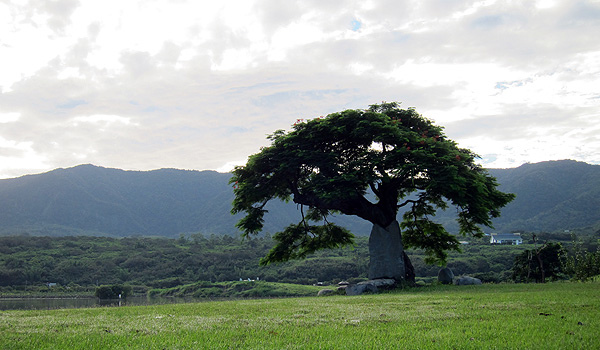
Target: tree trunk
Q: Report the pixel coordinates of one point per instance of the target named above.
(387, 257)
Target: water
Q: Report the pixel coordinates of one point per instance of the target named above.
(70, 303)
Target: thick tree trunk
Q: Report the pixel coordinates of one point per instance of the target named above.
(410, 270)
(387, 257)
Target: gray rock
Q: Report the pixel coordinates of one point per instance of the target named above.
(386, 253)
(382, 283)
(445, 276)
(466, 280)
(358, 289)
(324, 292)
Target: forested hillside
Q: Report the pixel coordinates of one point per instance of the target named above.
(92, 200)
(162, 263)
(551, 196)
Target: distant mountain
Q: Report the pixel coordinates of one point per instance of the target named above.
(551, 196)
(92, 199)
(87, 199)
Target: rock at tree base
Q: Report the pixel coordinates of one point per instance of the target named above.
(466, 281)
(386, 253)
(382, 283)
(358, 289)
(445, 276)
(324, 292)
(372, 286)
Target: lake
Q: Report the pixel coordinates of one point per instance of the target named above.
(70, 303)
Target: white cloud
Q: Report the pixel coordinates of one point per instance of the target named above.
(229, 166)
(190, 84)
(102, 119)
(9, 117)
(18, 158)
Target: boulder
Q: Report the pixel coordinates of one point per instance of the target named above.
(466, 280)
(358, 289)
(382, 283)
(324, 292)
(372, 286)
(445, 276)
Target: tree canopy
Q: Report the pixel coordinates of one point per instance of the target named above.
(368, 163)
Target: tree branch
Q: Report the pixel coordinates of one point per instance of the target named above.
(406, 202)
(374, 189)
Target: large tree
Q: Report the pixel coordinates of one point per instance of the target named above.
(368, 163)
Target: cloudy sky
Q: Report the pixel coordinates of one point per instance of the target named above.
(198, 84)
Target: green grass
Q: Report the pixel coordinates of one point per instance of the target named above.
(511, 316)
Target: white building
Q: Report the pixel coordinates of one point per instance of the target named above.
(506, 238)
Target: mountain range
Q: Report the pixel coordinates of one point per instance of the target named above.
(92, 200)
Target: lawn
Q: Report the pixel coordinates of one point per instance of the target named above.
(508, 316)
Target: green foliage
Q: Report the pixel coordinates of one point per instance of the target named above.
(27, 263)
(116, 291)
(295, 243)
(237, 289)
(162, 263)
(539, 264)
(330, 164)
(581, 264)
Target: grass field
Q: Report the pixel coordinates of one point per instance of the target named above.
(510, 316)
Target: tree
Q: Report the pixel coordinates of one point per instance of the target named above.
(368, 163)
(538, 264)
(582, 264)
(116, 291)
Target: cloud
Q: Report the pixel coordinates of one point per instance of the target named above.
(9, 117)
(198, 85)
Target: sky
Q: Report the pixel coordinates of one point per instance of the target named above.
(142, 85)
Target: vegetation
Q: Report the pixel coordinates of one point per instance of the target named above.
(237, 289)
(582, 264)
(79, 264)
(506, 316)
(29, 263)
(367, 163)
(116, 291)
(540, 264)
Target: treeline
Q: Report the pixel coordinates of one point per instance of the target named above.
(162, 262)
(165, 263)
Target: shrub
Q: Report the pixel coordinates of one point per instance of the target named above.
(582, 265)
(113, 292)
(539, 264)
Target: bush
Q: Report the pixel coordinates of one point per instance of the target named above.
(582, 265)
(489, 277)
(539, 264)
(167, 282)
(113, 292)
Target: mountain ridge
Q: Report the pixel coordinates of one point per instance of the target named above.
(94, 200)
